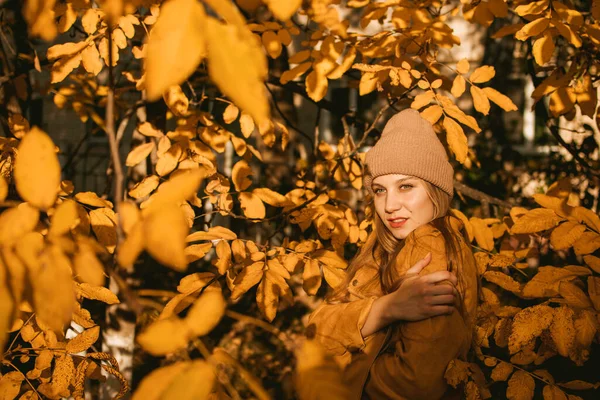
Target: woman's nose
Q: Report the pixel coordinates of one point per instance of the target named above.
(392, 203)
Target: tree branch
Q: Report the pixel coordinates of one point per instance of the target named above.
(480, 196)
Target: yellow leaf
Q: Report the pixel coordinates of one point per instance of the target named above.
(87, 267)
(574, 296)
(482, 74)
(271, 42)
(432, 113)
(37, 170)
(316, 85)
(346, 64)
(164, 236)
(92, 199)
(197, 251)
(543, 49)
(594, 291)
(457, 141)
(501, 100)
(223, 260)
(311, 276)
(6, 307)
(295, 72)
(368, 83)
(54, 303)
(463, 66)
(90, 20)
(103, 221)
(502, 371)
(534, 8)
(593, 262)
(238, 67)
(453, 111)
(562, 330)
(177, 189)
(84, 340)
(422, 100)
(138, 154)
(176, 100)
(230, 114)
(529, 324)
(145, 187)
(502, 280)
(168, 161)
(96, 293)
(252, 206)
(533, 28)
(206, 313)
(482, 233)
(507, 30)
(568, 33)
(195, 281)
(195, 382)
(498, 8)
(330, 258)
(64, 370)
(520, 386)
(239, 175)
(458, 86)
(587, 243)
(176, 45)
(247, 278)
(283, 10)
(158, 380)
(64, 218)
(546, 282)
(39, 15)
(588, 217)
(480, 100)
(566, 234)
(63, 67)
(539, 219)
(267, 295)
(90, 58)
(213, 233)
(272, 198)
(132, 246)
(17, 221)
(164, 336)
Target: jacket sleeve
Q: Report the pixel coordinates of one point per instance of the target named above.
(338, 326)
(416, 366)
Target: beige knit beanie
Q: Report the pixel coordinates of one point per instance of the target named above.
(409, 146)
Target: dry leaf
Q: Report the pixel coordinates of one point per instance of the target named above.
(37, 170)
(176, 45)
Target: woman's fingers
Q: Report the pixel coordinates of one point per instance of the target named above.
(441, 310)
(418, 267)
(439, 276)
(438, 290)
(447, 299)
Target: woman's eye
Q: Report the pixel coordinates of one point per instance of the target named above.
(406, 186)
(378, 190)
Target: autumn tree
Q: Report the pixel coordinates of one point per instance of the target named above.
(244, 219)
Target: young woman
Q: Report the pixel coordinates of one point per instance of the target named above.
(372, 323)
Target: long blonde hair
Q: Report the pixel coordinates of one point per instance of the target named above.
(381, 249)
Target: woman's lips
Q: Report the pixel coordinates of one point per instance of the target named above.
(397, 223)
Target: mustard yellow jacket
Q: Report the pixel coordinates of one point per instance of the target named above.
(409, 364)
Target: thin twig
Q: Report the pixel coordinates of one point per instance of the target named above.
(112, 140)
(595, 171)
(478, 195)
(285, 118)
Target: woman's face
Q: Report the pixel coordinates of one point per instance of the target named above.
(402, 203)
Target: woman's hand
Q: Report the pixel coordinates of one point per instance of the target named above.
(417, 298)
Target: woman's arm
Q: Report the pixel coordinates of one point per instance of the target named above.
(417, 298)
